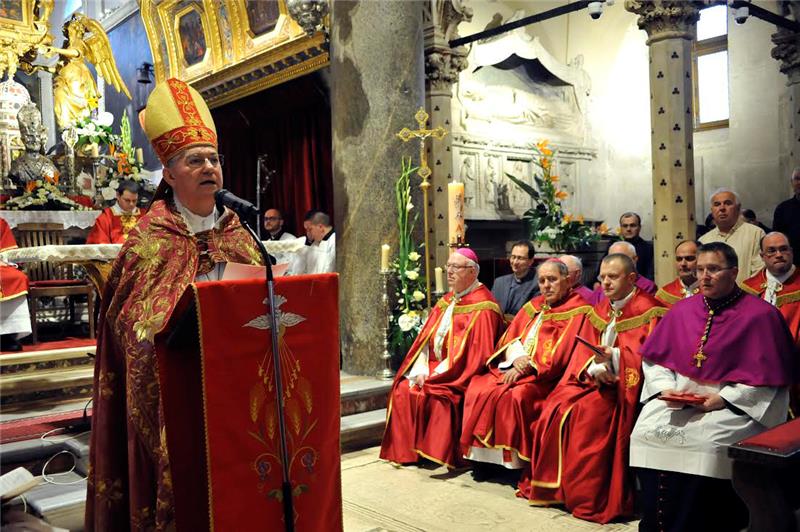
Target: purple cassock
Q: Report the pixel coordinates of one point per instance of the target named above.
(642, 283)
(585, 292)
(749, 343)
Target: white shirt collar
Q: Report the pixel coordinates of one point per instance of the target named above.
(195, 222)
(618, 304)
(772, 279)
(470, 288)
(117, 210)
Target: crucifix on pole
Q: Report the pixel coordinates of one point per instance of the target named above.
(422, 133)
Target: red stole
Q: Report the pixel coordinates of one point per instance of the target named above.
(109, 228)
(13, 282)
(672, 292)
(130, 484)
(580, 441)
(497, 417)
(427, 422)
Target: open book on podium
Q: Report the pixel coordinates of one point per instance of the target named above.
(217, 384)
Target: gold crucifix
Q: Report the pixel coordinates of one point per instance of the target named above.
(699, 357)
(422, 133)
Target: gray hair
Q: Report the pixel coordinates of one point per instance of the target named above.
(631, 214)
(562, 267)
(622, 244)
(321, 218)
(720, 191)
(577, 261)
(795, 172)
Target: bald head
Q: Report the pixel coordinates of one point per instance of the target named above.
(623, 248)
(575, 267)
(777, 253)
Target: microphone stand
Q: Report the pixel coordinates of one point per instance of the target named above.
(288, 503)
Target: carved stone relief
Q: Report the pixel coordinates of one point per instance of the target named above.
(515, 95)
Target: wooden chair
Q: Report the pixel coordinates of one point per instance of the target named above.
(52, 279)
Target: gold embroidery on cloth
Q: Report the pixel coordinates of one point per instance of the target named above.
(150, 323)
(631, 378)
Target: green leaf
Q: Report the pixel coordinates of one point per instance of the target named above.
(524, 186)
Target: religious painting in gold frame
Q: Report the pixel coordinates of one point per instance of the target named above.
(14, 11)
(249, 45)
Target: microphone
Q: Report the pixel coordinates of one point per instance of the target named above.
(235, 203)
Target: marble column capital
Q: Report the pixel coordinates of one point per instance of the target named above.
(787, 51)
(667, 19)
(442, 67)
(443, 63)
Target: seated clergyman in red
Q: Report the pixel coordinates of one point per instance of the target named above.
(533, 354)
(579, 447)
(425, 405)
(115, 222)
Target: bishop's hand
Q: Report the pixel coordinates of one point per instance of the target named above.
(522, 365)
(605, 377)
(607, 355)
(511, 376)
(713, 402)
(419, 380)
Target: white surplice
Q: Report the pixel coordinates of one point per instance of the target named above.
(688, 440)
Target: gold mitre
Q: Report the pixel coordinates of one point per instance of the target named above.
(176, 117)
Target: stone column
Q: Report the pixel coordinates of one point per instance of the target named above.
(377, 81)
(670, 27)
(442, 66)
(787, 51)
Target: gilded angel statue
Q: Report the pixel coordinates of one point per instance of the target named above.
(74, 88)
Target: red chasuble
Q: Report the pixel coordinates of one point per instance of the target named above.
(579, 453)
(498, 415)
(672, 292)
(112, 229)
(130, 485)
(13, 283)
(787, 302)
(427, 422)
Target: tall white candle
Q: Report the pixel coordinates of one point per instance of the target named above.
(455, 208)
(439, 280)
(384, 257)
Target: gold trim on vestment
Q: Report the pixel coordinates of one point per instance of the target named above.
(7, 298)
(596, 320)
(559, 316)
(499, 447)
(750, 290)
(205, 403)
(667, 297)
(482, 305)
(435, 460)
(785, 299)
(557, 483)
(638, 321)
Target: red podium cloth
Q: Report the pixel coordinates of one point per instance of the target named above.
(13, 283)
(221, 411)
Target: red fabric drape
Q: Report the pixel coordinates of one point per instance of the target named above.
(291, 124)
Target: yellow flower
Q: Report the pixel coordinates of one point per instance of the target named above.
(418, 296)
(603, 229)
(413, 256)
(580, 219)
(561, 194)
(544, 162)
(543, 149)
(554, 179)
(412, 275)
(567, 218)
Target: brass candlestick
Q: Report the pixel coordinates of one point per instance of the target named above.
(386, 373)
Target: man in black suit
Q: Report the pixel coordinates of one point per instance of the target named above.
(630, 224)
(515, 289)
(787, 216)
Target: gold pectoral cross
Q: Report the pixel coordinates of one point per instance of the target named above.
(699, 357)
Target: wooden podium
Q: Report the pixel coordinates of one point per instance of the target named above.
(217, 383)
